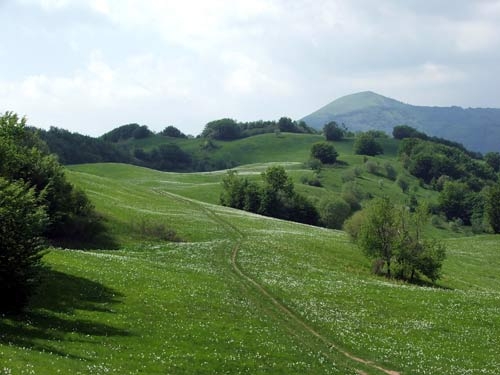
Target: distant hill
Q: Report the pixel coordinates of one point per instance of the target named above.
(476, 128)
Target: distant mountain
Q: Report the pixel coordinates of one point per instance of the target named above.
(476, 128)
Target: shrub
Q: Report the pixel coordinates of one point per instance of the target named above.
(372, 167)
(390, 172)
(324, 152)
(353, 225)
(333, 212)
(403, 184)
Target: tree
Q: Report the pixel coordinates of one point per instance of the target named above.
(324, 152)
(405, 131)
(286, 124)
(455, 200)
(378, 234)
(493, 207)
(393, 235)
(333, 132)
(333, 212)
(223, 129)
(172, 131)
(365, 144)
(414, 254)
(25, 158)
(493, 160)
(22, 222)
(276, 198)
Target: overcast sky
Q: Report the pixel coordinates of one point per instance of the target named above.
(90, 66)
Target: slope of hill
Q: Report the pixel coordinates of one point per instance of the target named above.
(477, 128)
(243, 294)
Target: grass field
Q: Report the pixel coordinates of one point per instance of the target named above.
(243, 294)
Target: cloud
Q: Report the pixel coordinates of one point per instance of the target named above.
(90, 65)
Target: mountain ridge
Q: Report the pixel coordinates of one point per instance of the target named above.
(476, 128)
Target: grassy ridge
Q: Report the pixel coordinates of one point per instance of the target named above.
(157, 307)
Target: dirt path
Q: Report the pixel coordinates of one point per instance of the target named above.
(234, 254)
(307, 327)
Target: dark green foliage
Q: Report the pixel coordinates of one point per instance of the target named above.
(25, 158)
(74, 148)
(405, 131)
(333, 212)
(493, 160)
(168, 157)
(429, 161)
(333, 131)
(224, 129)
(456, 201)
(365, 144)
(324, 152)
(493, 207)
(276, 198)
(286, 124)
(125, 132)
(403, 184)
(415, 255)
(22, 221)
(394, 236)
(390, 171)
(172, 131)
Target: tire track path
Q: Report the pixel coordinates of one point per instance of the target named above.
(240, 236)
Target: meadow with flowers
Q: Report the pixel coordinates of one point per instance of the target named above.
(196, 288)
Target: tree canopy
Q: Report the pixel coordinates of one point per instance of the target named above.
(366, 144)
(324, 152)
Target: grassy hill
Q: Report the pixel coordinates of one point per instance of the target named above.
(477, 128)
(240, 293)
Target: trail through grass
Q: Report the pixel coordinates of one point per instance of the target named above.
(183, 308)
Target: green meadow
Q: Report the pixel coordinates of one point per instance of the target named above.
(237, 293)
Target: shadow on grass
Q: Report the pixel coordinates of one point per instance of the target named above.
(51, 317)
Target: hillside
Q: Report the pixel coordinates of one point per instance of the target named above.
(477, 128)
(241, 293)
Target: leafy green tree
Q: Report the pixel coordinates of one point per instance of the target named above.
(223, 129)
(324, 152)
(25, 158)
(394, 236)
(22, 222)
(286, 124)
(403, 184)
(378, 234)
(333, 131)
(456, 201)
(493, 207)
(172, 131)
(276, 198)
(414, 254)
(493, 160)
(405, 131)
(333, 212)
(365, 144)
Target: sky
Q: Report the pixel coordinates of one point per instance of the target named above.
(90, 66)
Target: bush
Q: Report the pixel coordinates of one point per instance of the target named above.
(333, 212)
(372, 167)
(353, 225)
(333, 132)
(365, 144)
(390, 172)
(403, 184)
(324, 152)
